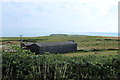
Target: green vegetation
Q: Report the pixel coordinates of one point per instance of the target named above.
(96, 58)
(96, 53)
(27, 66)
(84, 42)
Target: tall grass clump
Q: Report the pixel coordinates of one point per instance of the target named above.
(28, 66)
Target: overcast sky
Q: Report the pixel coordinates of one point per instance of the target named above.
(43, 17)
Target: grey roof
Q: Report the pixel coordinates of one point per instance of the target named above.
(51, 44)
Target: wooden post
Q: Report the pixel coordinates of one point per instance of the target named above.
(104, 43)
(21, 43)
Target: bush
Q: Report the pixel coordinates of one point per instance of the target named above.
(27, 66)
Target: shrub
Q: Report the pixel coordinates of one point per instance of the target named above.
(27, 66)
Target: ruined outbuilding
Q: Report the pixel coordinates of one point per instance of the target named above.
(54, 47)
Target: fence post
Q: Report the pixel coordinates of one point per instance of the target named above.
(21, 43)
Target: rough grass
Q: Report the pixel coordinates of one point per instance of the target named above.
(87, 62)
(97, 53)
(24, 66)
(84, 42)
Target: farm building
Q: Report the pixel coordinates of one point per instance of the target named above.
(54, 47)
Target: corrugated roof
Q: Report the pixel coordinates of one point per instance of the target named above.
(51, 44)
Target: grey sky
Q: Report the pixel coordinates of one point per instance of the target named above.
(61, 16)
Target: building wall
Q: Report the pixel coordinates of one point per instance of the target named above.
(58, 49)
(34, 48)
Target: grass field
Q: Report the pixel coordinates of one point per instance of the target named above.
(85, 43)
(97, 53)
(96, 58)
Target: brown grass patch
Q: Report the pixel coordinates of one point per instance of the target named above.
(106, 37)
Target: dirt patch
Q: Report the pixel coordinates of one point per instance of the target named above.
(10, 42)
(108, 37)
